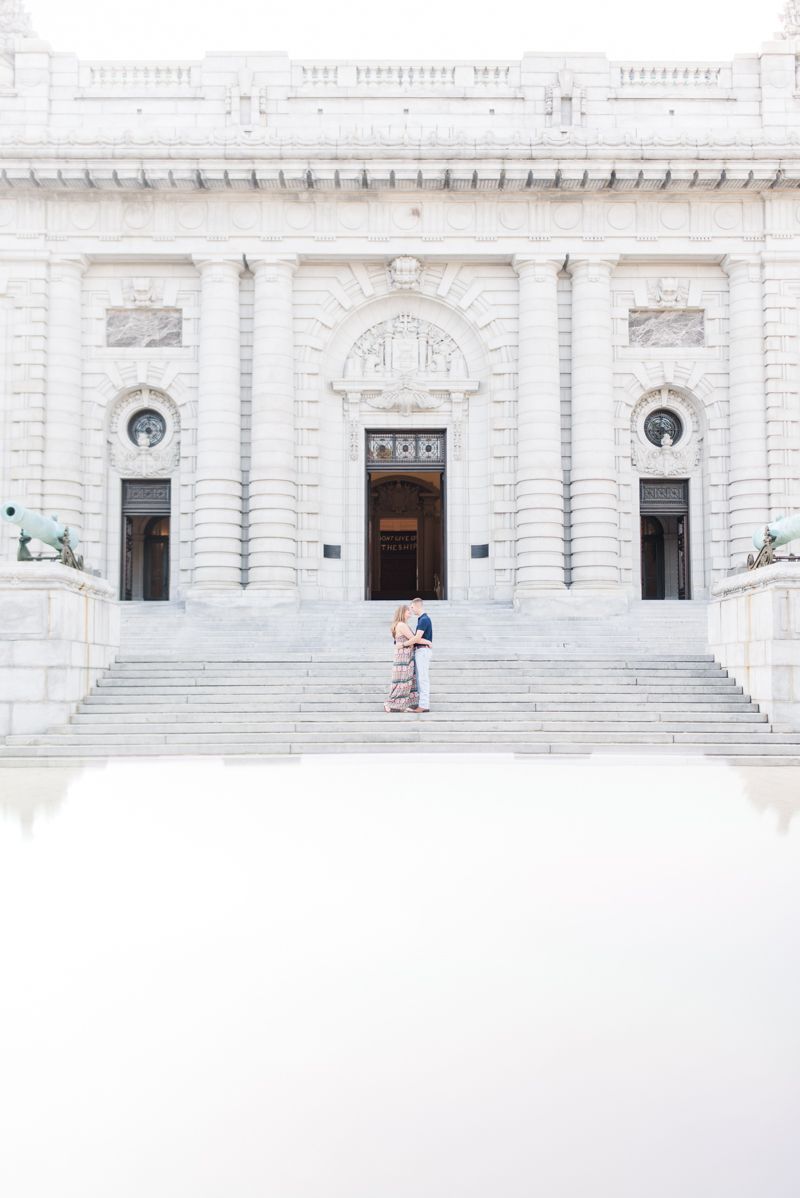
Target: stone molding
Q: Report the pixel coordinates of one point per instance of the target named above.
(785, 574)
(488, 141)
(47, 576)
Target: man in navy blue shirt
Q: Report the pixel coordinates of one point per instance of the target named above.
(423, 639)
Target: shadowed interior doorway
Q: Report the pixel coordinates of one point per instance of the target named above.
(405, 540)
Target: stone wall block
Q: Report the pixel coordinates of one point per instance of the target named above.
(748, 625)
(52, 662)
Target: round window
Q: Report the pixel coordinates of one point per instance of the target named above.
(661, 424)
(147, 428)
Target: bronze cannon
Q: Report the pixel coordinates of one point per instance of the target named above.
(58, 536)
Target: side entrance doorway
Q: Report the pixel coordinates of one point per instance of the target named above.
(664, 517)
(405, 503)
(145, 540)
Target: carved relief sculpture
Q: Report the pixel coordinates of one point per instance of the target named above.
(404, 364)
(668, 292)
(404, 273)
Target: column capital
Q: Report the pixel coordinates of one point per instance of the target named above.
(736, 264)
(74, 264)
(593, 268)
(220, 264)
(274, 264)
(537, 266)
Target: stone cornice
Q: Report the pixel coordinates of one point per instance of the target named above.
(278, 144)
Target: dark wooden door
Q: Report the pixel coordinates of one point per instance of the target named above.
(652, 558)
(156, 559)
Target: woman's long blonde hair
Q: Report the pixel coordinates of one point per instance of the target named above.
(400, 616)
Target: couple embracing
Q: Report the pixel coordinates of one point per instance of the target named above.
(411, 687)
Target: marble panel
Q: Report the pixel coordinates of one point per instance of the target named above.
(666, 328)
(147, 328)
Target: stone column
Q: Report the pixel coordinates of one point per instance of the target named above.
(218, 487)
(595, 517)
(540, 479)
(748, 486)
(273, 479)
(62, 489)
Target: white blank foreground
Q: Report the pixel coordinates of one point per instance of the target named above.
(374, 978)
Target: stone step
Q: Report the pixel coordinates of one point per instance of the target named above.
(412, 731)
(773, 753)
(476, 719)
(181, 711)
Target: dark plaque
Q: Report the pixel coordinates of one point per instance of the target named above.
(480, 550)
(331, 551)
(664, 497)
(145, 498)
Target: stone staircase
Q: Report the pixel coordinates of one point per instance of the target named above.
(315, 682)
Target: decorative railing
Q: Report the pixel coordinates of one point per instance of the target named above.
(413, 76)
(154, 74)
(405, 77)
(325, 76)
(690, 76)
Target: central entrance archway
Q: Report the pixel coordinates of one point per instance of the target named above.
(405, 541)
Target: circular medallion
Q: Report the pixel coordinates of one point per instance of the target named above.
(83, 216)
(352, 216)
(620, 216)
(566, 216)
(146, 428)
(660, 424)
(512, 216)
(726, 216)
(244, 216)
(298, 216)
(137, 215)
(674, 216)
(191, 216)
(6, 213)
(460, 216)
(406, 216)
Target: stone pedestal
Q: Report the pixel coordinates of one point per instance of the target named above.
(754, 632)
(59, 630)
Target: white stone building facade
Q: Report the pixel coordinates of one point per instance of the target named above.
(529, 326)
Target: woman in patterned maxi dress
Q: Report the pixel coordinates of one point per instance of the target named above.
(403, 696)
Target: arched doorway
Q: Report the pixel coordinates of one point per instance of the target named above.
(405, 548)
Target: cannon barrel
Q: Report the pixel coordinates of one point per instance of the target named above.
(48, 530)
(783, 529)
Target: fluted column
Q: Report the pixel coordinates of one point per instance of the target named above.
(273, 479)
(218, 487)
(62, 489)
(540, 486)
(748, 478)
(593, 489)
